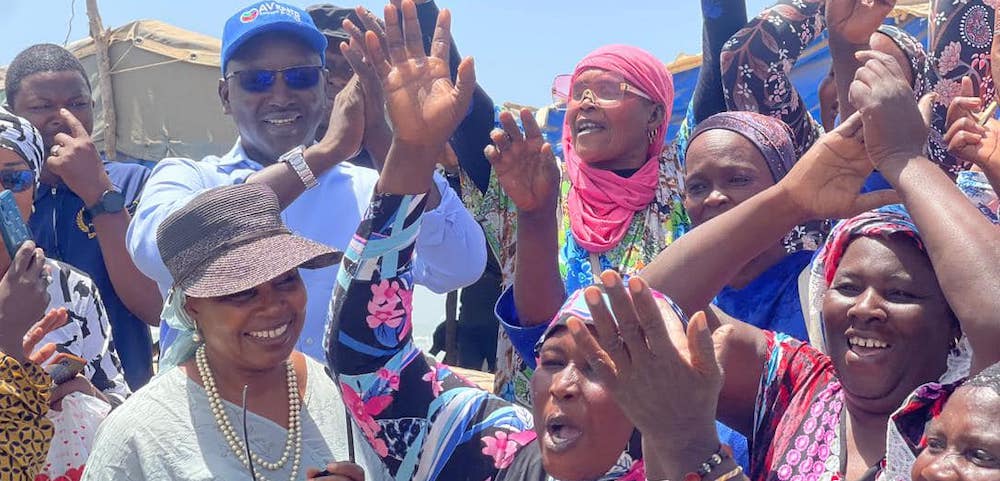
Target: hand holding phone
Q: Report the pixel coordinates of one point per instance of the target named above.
(12, 227)
(65, 366)
(24, 297)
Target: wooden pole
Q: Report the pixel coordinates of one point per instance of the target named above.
(101, 40)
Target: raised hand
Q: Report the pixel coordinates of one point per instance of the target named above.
(854, 21)
(826, 182)
(75, 159)
(53, 320)
(966, 137)
(424, 105)
(524, 164)
(665, 379)
(23, 296)
(895, 128)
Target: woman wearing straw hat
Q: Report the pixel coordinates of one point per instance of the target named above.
(239, 302)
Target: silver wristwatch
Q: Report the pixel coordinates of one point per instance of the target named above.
(297, 160)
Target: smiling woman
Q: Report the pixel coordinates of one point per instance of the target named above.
(239, 302)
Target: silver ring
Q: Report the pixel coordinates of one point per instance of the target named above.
(47, 278)
(55, 150)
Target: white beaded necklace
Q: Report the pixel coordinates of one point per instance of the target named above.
(293, 442)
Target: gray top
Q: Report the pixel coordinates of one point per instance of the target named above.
(166, 431)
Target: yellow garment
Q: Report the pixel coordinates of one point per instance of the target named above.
(25, 432)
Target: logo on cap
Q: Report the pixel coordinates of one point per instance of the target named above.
(269, 8)
(249, 15)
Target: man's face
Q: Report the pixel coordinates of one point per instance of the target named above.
(280, 118)
(42, 95)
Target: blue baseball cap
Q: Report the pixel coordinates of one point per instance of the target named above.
(265, 17)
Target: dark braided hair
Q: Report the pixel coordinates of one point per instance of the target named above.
(44, 57)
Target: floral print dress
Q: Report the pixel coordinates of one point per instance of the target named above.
(421, 420)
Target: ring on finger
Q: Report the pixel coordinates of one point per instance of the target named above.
(55, 150)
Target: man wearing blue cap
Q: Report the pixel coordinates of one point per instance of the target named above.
(274, 86)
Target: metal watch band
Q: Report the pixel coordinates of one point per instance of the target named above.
(297, 160)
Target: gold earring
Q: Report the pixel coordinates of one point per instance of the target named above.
(197, 335)
(652, 136)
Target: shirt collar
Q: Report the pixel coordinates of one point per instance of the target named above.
(238, 155)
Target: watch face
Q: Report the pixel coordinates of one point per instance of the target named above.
(113, 201)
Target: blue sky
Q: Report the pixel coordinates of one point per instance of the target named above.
(519, 45)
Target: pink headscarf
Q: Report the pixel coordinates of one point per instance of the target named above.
(601, 203)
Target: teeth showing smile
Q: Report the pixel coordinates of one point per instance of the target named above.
(269, 334)
(585, 126)
(863, 342)
(280, 121)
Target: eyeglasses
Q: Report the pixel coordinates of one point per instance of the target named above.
(607, 90)
(296, 78)
(17, 180)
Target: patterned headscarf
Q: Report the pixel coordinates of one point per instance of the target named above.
(774, 139)
(629, 466)
(601, 203)
(880, 223)
(19, 136)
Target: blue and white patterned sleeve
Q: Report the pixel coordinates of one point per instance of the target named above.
(422, 420)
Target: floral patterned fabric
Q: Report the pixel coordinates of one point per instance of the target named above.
(651, 230)
(421, 420)
(980, 192)
(961, 33)
(797, 419)
(758, 60)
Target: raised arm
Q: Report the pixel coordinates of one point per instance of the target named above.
(384, 378)
(960, 241)
(721, 19)
(757, 64)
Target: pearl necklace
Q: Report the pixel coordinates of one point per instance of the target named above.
(293, 442)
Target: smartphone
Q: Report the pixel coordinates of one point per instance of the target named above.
(12, 226)
(65, 366)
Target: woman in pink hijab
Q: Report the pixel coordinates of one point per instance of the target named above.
(612, 203)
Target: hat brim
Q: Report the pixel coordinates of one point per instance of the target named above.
(254, 263)
(310, 35)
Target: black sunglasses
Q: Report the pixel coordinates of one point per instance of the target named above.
(296, 78)
(17, 180)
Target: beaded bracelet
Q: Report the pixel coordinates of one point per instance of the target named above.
(713, 461)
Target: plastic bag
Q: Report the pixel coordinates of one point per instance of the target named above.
(76, 427)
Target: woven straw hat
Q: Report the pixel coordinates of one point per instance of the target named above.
(230, 239)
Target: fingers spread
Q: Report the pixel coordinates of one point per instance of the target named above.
(393, 35)
(607, 329)
(651, 317)
(700, 345)
(624, 313)
(531, 129)
(441, 44)
(374, 53)
(412, 36)
(597, 358)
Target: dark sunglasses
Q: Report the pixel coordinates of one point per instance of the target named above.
(296, 78)
(17, 180)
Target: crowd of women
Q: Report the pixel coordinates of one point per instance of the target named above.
(767, 297)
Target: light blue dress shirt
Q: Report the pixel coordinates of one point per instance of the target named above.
(450, 251)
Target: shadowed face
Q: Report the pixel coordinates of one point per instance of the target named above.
(581, 430)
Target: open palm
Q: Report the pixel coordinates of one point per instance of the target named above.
(826, 182)
(524, 164)
(424, 105)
